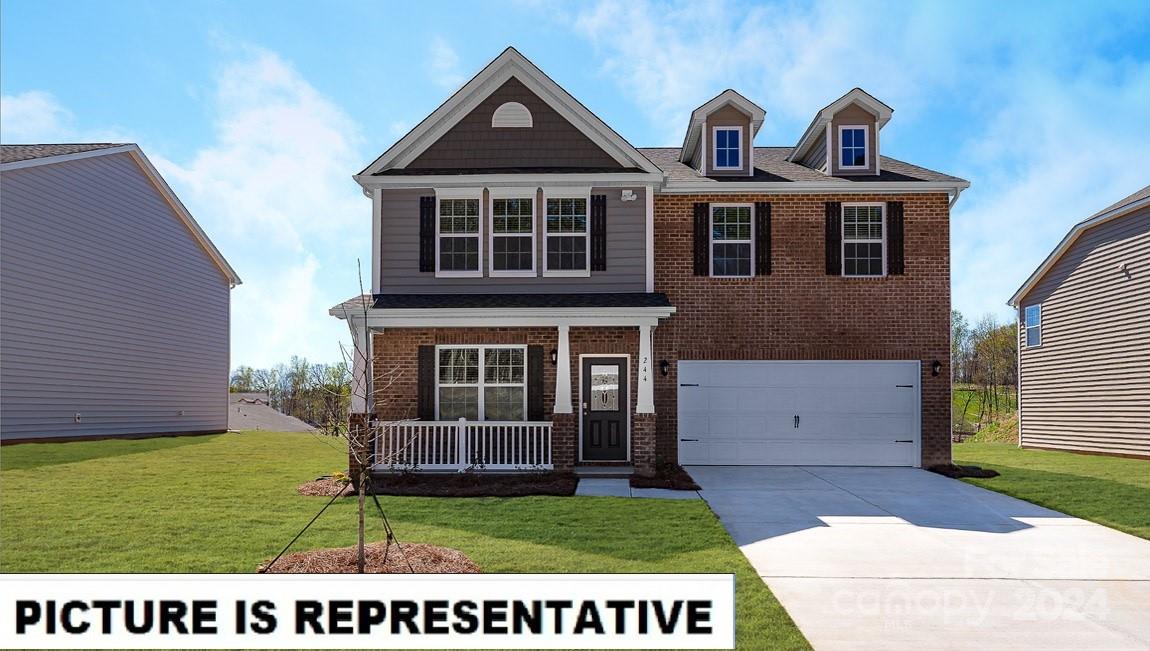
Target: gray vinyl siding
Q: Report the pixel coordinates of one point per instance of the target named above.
(110, 308)
(1087, 386)
(816, 158)
(399, 244)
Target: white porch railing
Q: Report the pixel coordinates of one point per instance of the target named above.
(462, 445)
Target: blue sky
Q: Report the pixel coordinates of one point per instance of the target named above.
(258, 113)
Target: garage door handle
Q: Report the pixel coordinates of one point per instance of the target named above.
(690, 440)
(688, 385)
(904, 386)
(905, 441)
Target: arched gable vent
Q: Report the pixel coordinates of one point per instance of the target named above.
(511, 114)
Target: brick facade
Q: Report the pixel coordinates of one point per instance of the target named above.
(800, 313)
(395, 365)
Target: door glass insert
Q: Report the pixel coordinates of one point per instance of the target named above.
(604, 387)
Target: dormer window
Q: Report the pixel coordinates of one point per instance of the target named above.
(852, 147)
(728, 148)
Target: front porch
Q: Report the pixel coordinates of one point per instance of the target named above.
(521, 389)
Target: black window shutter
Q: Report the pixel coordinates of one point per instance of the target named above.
(427, 233)
(702, 239)
(535, 383)
(598, 232)
(834, 238)
(762, 238)
(425, 402)
(894, 238)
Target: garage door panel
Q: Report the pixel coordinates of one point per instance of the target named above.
(850, 412)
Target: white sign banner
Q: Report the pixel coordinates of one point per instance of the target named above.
(458, 611)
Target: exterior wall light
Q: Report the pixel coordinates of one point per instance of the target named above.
(935, 368)
(554, 356)
(664, 366)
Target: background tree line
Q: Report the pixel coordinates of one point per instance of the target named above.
(318, 394)
(984, 357)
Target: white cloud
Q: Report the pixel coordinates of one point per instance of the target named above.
(33, 117)
(273, 189)
(443, 63)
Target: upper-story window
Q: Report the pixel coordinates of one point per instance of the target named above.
(863, 240)
(457, 240)
(852, 146)
(567, 236)
(731, 240)
(1033, 316)
(728, 148)
(512, 235)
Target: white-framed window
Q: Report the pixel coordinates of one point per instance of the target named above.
(566, 232)
(512, 232)
(1033, 323)
(728, 148)
(481, 383)
(458, 244)
(853, 152)
(864, 239)
(732, 237)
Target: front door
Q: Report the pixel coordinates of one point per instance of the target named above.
(604, 409)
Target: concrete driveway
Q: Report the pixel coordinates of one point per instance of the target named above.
(887, 558)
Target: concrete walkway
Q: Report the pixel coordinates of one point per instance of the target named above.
(598, 487)
(898, 558)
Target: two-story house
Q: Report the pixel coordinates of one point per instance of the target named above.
(544, 294)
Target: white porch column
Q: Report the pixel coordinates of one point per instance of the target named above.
(646, 390)
(563, 373)
(360, 366)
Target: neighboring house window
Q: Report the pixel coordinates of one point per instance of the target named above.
(458, 239)
(852, 146)
(728, 148)
(730, 240)
(566, 236)
(481, 383)
(512, 236)
(1033, 315)
(863, 240)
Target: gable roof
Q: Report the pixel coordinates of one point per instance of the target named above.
(1120, 208)
(14, 157)
(856, 95)
(507, 65)
(729, 97)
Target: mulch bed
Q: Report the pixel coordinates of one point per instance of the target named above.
(325, 487)
(667, 475)
(468, 484)
(424, 559)
(958, 472)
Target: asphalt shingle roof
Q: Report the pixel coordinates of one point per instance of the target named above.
(17, 153)
(771, 165)
(354, 305)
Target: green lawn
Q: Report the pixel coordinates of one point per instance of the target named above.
(1108, 490)
(224, 503)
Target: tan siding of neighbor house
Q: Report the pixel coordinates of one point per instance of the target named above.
(1087, 386)
(110, 308)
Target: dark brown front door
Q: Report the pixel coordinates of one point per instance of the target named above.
(604, 409)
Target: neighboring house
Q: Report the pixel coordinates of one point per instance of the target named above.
(1084, 337)
(253, 411)
(580, 302)
(113, 303)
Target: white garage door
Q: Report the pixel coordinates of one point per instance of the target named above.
(799, 413)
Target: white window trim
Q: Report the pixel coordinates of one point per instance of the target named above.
(843, 239)
(479, 386)
(512, 193)
(1026, 328)
(711, 237)
(569, 193)
(866, 146)
(459, 193)
(715, 150)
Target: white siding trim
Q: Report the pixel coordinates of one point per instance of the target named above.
(376, 238)
(649, 235)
